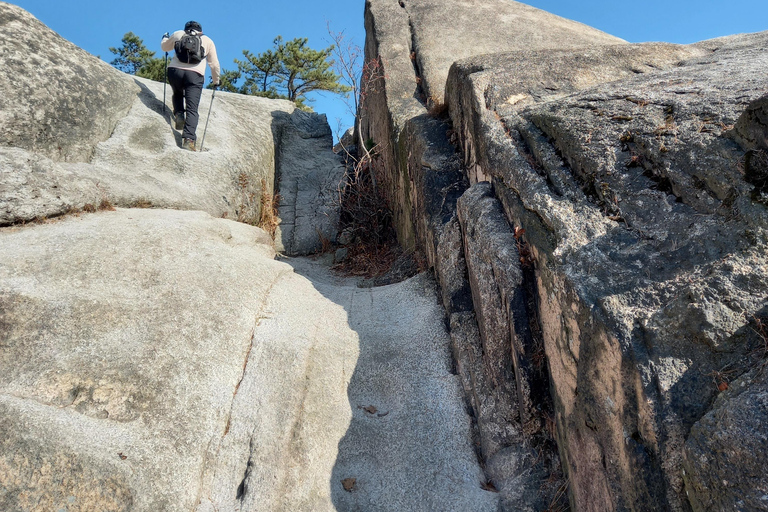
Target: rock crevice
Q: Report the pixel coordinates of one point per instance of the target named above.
(634, 177)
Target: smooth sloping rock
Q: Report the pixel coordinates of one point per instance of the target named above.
(409, 445)
(617, 187)
(141, 164)
(56, 98)
(124, 338)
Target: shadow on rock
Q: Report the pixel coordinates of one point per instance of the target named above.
(408, 445)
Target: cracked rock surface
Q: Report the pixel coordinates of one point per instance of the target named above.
(632, 180)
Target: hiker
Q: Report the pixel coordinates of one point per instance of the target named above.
(186, 75)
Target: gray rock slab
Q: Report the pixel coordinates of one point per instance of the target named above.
(443, 33)
(141, 164)
(617, 182)
(56, 98)
(725, 464)
(310, 183)
(124, 338)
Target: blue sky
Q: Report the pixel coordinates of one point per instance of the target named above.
(95, 25)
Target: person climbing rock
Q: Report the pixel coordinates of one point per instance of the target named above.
(186, 75)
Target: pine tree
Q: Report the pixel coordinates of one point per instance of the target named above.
(153, 70)
(132, 55)
(227, 80)
(305, 70)
(290, 70)
(260, 70)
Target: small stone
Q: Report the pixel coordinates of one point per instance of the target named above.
(340, 255)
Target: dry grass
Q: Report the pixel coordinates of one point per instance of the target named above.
(437, 108)
(268, 218)
(559, 502)
(141, 203)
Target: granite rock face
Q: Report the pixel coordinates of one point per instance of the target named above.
(77, 134)
(633, 177)
(76, 99)
(310, 178)
(617, 186)
(124, 339)
(161, 359)
(443, 33)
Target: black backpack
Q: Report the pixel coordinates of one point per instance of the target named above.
(189, 49)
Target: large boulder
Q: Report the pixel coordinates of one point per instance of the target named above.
(724, 466)
(443, 33)
(311, 180)
(163, 360)
(57, 99)
(617, 187)
(125, 336)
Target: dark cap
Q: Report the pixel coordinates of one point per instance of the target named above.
(193, 25)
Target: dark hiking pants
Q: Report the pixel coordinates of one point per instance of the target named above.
(187, 88)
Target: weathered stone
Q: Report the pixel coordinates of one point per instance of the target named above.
(442, 33)
(310, 182)
(490, 249)
(124, 338)
(340, 254)
(724, 465)
(228, 179)
(347, 142)
(406, 39)
(416, 163)
(56, 99)
(616, 162)
(751, 132)
(616, 187)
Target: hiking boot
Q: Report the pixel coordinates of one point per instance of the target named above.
(188, 144)
(179, 120)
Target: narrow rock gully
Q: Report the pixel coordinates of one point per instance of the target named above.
(377, 418)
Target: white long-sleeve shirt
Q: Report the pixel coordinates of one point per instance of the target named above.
(167, 45)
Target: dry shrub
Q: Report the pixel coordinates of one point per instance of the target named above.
(106, 205)
(369, 260)
(437, 108)
(367, 217)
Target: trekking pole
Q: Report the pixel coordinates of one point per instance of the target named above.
(207, 119)
(165, 81)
